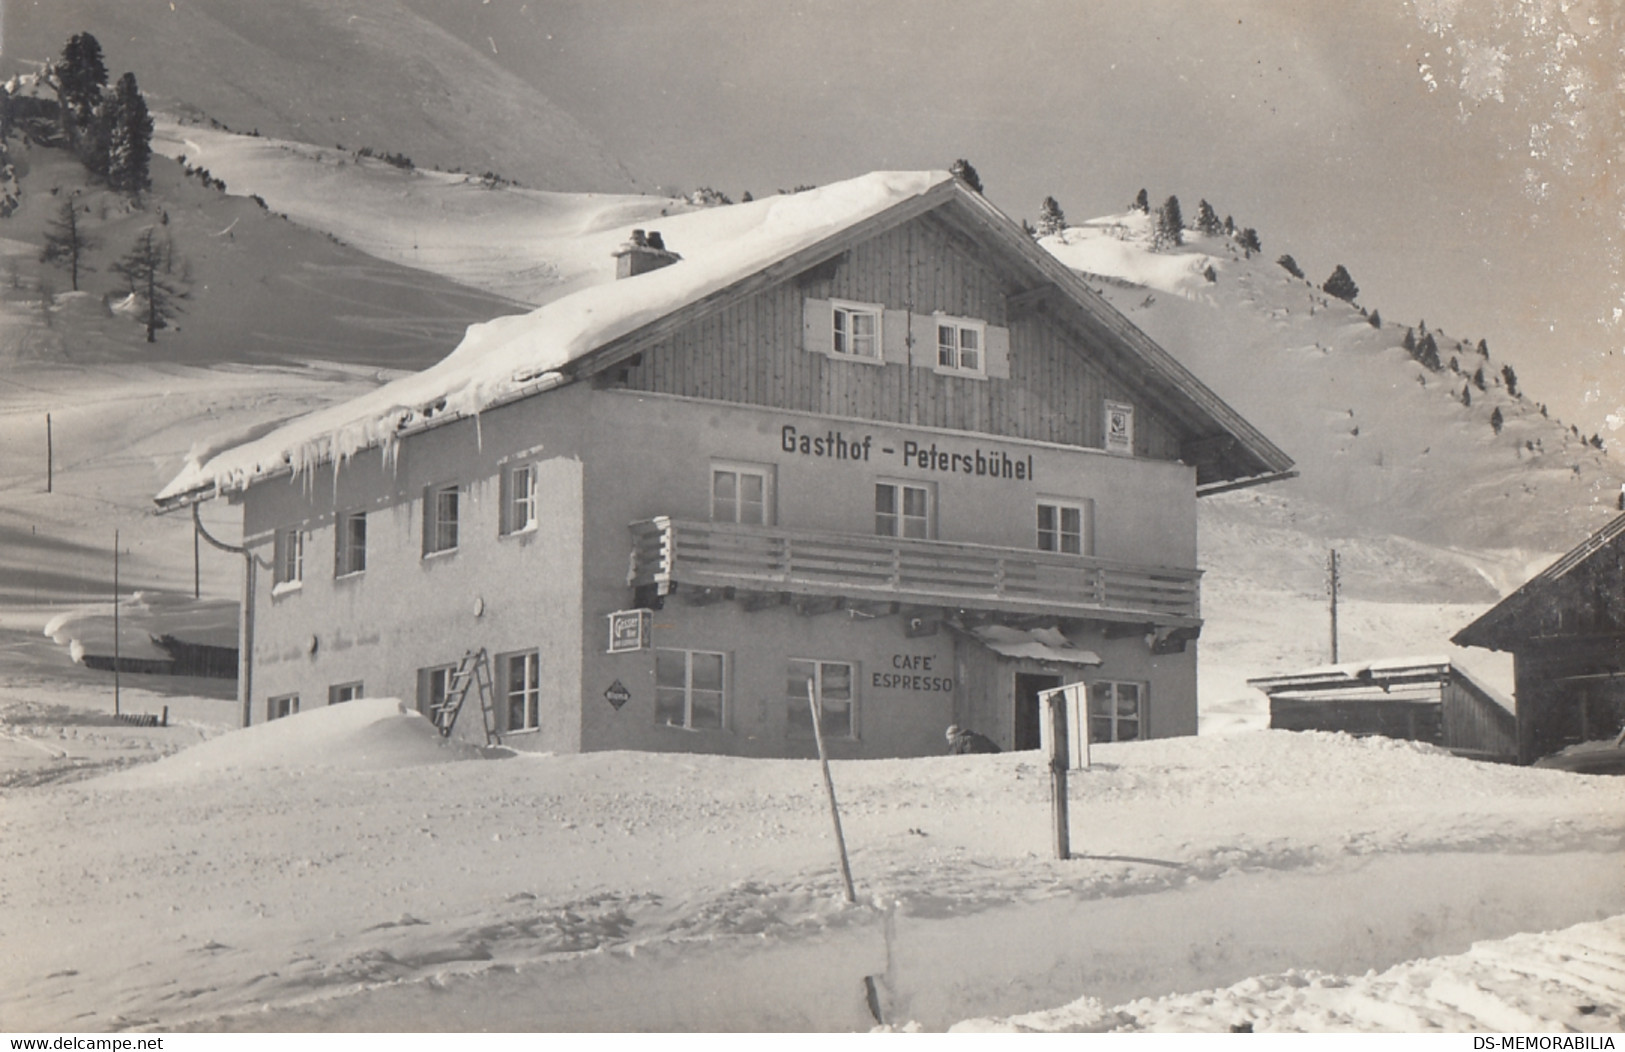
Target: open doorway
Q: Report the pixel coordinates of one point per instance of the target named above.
(1028, 686)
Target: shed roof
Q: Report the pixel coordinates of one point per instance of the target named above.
(1505, 623)
(728, 253)
(1385, 674)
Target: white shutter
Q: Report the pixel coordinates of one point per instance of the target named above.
(923, 330)
(998, 352)
(817, 326)
(894, 337)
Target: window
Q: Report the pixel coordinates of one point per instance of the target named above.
(832, 686)
(959, 346)
(523, 690)
(1066, 527)
(1116, 711)
(518, 498)
(350, 553)
(903, 510)
(289, 557)
(340, 692)
(440, 519)
(857, 330)
(742, 493)
(281, 705)
(434, 683)
(688, 689)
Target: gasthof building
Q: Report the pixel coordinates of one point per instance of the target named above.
(869, 437)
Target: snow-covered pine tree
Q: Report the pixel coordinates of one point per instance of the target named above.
(1169, 228)
(965, 172)
(1249, 241)
(1427, 352)
(1207, 221)
(1341, 285)
(143, 268)
(1496, 420)
(1051, 220)
(1478, 379)
(1375, 319)
(1467, 395)
(129, 137)
(1142, 201)
(1409, 342)
(78, 77)
(1511, 378)
(1290, 265)
(1483, 348)
(66, 241)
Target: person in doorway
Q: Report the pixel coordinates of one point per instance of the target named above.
(961, 741)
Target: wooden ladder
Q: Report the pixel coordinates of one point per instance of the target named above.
(474, 671)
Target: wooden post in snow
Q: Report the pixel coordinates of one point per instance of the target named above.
(1331, 569)
(1054, 714)
(50, 458)
(829, 788)
(197, 564)
(116, 698)
(245, 640)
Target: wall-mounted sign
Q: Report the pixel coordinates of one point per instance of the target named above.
(630, 630)
(617, 695)
(837, 445)
(1119, 428)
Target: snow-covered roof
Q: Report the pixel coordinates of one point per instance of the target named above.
(513, 356)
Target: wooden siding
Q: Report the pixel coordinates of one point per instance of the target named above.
(752, 352)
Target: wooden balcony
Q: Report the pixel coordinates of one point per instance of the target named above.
(667, 552)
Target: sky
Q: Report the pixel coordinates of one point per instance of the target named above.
(1460, 159)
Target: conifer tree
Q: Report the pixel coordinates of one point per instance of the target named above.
(1341, 285)
(1051, 220)
(1511, 378)
(1142, 201)
(1409, 342)
(1478, 379)
(1290, 265)
(1467, 395)
(1483, 348)
(129, 137)
(1249, 241)
(79, 77)
(1427, 352)
(1375, 319)
(145, 268)
(1496, 420)
(1207, 221)
(66, 242)
(1028, 229)
(1169, 227)
(965, 172)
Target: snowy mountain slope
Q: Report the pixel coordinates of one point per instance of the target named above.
(359, 72)
(526, 245)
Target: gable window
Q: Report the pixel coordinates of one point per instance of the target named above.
(1066, 527)
(689, 689)
(288, 558)
(350, 553)
(518, 498)
(440, 504)
(523, 689)
(832, 686)
(742, 493)
(959, 346)
(903, 509)
(856, 330)
(1116, 711)
(281, 705)
(342, 692)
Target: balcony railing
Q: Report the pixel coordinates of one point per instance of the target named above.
(668, 552)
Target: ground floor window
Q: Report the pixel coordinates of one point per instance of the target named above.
(1116, 711)
(281, 705)
(343, 692)
(522, 679)
(434, 683)
(689, 689)
(832, 685)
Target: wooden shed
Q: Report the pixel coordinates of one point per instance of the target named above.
(1415, 699)
(1565, 629)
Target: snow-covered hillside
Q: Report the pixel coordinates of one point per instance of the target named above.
(363, 73)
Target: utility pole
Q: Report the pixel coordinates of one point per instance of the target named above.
(115, 626)
(1331, 569)
(50, 459)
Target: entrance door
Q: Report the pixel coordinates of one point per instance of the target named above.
(1028, 713)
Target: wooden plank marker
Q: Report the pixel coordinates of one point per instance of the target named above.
(829, 788)
(1056, 745)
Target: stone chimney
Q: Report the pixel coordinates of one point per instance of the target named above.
(643, 253)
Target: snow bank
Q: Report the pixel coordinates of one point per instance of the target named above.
(1119, 246)
(519, 354)
(366, 734)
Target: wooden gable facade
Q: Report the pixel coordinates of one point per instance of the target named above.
(1565, 629)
